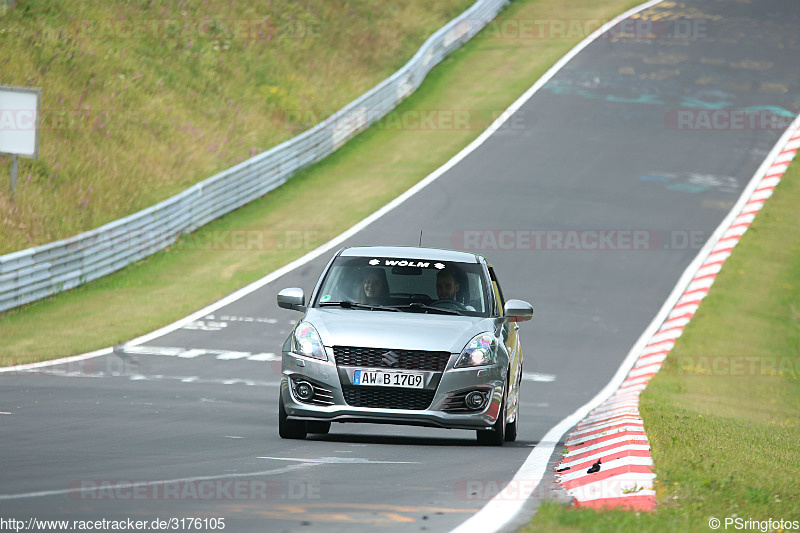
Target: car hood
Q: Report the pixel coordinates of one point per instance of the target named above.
(391, 330)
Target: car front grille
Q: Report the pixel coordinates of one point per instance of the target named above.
(384, 358)
(388, 397)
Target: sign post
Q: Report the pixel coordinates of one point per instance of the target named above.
(20, 116)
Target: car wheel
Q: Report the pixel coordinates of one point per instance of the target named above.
(511, 429)
(318, 427)
(497, 434)
(289, 429)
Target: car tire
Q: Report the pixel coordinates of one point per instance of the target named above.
(511, 429)
(321, 428)
(497, 434)
(289, 429)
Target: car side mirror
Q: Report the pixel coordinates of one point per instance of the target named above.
(293, 298)
(518, 311)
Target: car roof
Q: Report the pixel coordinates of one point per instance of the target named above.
(411, 252)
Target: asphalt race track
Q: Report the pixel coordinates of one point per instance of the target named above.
(590, 202)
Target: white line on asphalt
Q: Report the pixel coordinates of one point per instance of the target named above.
(184, 353)
(532, 376)
(62, 361)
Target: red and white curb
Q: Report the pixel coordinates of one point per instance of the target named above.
(608, 462)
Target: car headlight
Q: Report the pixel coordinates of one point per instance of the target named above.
(308, 343)
(480, 351)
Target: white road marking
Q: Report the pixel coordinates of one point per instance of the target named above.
(228, 356)
(203, 325)
(251, 319)
(191, 354)
(153, 350)
(184, 353)
(55, 362)
(532, 376)
(268, 356)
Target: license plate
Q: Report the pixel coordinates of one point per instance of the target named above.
(379, 378)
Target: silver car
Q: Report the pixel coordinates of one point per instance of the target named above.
(403, 335)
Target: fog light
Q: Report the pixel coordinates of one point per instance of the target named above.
(475, 400)
(304, 390)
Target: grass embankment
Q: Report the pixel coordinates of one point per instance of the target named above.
(723, 414)
(365, 174)
(143, 99)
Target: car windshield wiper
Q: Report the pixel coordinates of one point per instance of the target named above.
(430, 308)
(347, 304)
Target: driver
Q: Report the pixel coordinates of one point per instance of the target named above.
(447, 287)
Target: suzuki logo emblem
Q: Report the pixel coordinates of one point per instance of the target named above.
(390, 358)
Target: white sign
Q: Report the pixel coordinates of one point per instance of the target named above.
(20, 110)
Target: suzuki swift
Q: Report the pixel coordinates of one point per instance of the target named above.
(403, 335)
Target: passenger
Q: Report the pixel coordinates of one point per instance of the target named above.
(374, 289)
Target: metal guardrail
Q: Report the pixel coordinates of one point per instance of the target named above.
(35, 273)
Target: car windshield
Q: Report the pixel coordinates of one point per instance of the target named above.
(407, 285)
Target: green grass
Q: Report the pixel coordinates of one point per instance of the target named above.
(319, 202)
(130, 119)
(723, 414)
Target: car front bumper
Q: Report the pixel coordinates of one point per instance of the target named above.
(444, 387)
